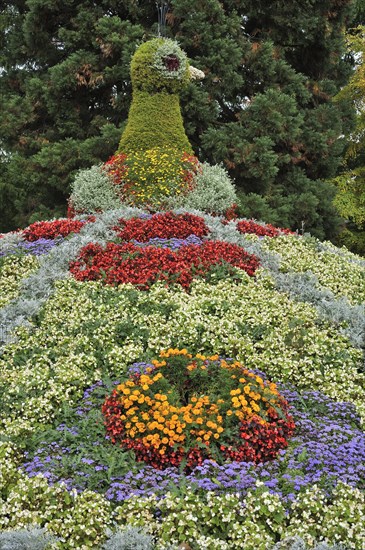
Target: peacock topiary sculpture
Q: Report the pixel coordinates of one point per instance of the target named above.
(159, 71)
(155, 165)
(155, 159)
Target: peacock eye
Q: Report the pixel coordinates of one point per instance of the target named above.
(171, 62)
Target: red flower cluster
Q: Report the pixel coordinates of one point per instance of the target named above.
(71, 212)
(51, 230)
(116, 167)
(231, 212)
(191, 168)
(249, 226)
(112, 411)
(262, 441)
(165, 226)
(128, 263)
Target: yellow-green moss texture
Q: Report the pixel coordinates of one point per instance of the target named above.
(154, 120)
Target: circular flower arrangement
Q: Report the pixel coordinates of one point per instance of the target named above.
(184, 409)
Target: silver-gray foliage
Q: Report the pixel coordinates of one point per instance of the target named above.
(9, 242)
(349, 319)
(93, 191)
(213, 192)
(32, 538)
(131, 538)
(296, 543)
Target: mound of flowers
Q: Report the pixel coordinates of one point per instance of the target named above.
(142, 266)
(190, 408)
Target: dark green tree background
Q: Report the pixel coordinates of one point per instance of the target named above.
(264, 108)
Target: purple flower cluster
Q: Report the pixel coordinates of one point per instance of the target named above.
(35, 248)
(173, 243)
(87, 399)
(328, 445)
(140, 368)
(40, 246)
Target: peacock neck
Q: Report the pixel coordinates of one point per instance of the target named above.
(154, 121)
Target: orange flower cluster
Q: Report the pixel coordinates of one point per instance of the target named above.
(183, 403)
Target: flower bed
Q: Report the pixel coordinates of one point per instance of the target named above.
(163, 226)
(328, 263)
(12, 270)
(327, 433)
(51, 230)
(128, 263)
(55, 378)
(150, 176)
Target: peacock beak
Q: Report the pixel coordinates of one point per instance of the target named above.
(196, 74)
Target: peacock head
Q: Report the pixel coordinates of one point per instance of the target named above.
(160, 65)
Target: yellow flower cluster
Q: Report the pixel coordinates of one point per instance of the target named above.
(150, 417)
(155, 174)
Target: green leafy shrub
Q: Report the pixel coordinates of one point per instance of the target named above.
(352, 238)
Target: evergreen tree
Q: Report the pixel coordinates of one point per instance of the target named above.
(276, 128)
(66, 91)
(264, 109)
(359, 13)
(350, 198)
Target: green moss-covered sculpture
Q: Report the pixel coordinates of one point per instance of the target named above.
(159, 71)
(155, 159)
(154, 119)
